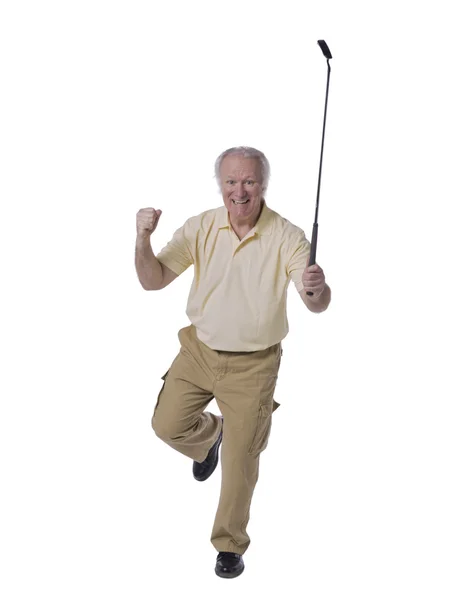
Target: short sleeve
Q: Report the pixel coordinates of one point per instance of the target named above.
(177, 255)
(299, 252)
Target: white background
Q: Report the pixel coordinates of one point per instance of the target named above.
(109, 107)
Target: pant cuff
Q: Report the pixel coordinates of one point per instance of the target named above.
(231, 548)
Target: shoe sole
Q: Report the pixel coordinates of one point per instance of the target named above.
(215, 462)
(229, 575)
(213, 468)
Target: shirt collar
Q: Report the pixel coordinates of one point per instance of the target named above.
(264, 225)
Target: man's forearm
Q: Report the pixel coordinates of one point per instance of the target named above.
(148, 268)
(319, 304)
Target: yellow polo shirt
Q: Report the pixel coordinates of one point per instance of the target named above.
(238, 297)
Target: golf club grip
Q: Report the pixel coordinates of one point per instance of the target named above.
(313, 249)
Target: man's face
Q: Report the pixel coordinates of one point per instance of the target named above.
(241, 181)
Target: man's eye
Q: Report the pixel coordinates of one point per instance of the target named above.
(231, 181)
(250, 182)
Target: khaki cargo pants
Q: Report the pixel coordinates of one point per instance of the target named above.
(243, 385)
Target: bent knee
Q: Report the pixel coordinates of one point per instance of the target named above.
(158, 426)
(166, 429)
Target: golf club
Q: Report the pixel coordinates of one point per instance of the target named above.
(327, 53)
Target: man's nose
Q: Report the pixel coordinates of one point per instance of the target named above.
(240, 191)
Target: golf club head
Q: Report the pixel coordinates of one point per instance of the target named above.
(325, 49)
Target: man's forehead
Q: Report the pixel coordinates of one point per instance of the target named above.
(241, 165)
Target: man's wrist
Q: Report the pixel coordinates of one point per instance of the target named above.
(143, 239)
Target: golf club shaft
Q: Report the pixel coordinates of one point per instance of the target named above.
(312, 259)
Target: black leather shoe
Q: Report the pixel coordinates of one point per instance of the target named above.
(229, 565)
(202, 471)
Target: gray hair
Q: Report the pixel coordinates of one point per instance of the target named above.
(246, 152)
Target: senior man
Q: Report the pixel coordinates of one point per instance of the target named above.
(245, 256)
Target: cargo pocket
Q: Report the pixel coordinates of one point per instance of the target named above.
(160, 393)
(263, 428)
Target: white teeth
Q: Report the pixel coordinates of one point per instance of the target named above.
(242, 202)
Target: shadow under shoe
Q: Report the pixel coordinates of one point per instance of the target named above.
(202, 471)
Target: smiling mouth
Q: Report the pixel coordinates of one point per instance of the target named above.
(245, 202)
